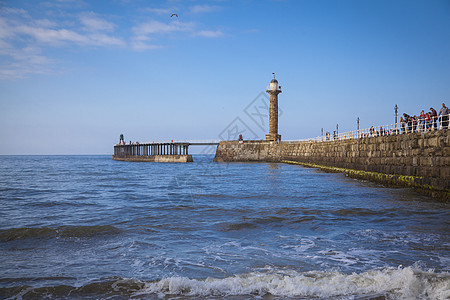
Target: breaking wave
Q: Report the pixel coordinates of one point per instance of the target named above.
(388, 283)
(400, 283)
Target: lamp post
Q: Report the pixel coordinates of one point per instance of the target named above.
(357, 125)
(396, 111)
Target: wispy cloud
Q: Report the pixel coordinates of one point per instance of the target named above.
(24, 39)
(22, 61)
(51, 36)
(209, 33)
(149, 30)
(93, 22)
(160, 11)
(142, 45)
(64, 4)
(156, 27)
(204, 8)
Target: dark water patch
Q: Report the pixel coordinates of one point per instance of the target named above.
(356, 212)
(227, 212)
(362, 212)
(303, 219)
(237, 226)
(270, 220)
(28, 280)
(24, 233)
(182, 206)
(63, 231)
(106, 186)
(87, 231)
(80, 197)
(107, 289)
(13, 198)
(113, 179)
(57, 203)
(211, 196)
(142, 228)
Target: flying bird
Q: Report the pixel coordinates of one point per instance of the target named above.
(174, 15)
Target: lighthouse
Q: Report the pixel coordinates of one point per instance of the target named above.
(273, 89)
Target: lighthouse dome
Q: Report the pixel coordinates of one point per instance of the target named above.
(273, 85)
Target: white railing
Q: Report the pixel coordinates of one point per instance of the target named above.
(198, 141)
(419, 125)
(174, 142)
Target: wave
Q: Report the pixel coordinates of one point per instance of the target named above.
(63, 231)
(263, 222)
(388, 283)
(238, 226)
(400, 283)
(115, 288)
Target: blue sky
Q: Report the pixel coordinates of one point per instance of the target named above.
(74, 75)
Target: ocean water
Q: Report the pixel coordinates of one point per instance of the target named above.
(88, 227)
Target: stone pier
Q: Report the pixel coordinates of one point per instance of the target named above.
(424, 158)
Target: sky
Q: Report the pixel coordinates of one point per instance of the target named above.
(76, 74)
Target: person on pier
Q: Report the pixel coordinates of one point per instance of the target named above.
(443, 114)
(434, 118)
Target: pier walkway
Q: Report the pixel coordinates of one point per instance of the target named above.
(158, 152)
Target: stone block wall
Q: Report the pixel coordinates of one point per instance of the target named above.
(425, 155)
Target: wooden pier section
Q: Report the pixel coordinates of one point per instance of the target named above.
(153, 152)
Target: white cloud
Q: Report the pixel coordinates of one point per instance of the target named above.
(14, 11)
(155, 27)
(16, 25)
(99, 39)
(141, 45)
(24, 40)
(148, 30)
(52, 36)
(64, 4)
(93, 22)
(59, 37)
(44, 23)
(204, 8)
(209, 33)
(161, 11)
(23, 61)
(5, 30)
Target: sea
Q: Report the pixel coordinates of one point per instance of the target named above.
(89, 227)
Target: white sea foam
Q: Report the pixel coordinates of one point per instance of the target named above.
(400, 283)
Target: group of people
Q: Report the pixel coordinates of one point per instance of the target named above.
(426, 120)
